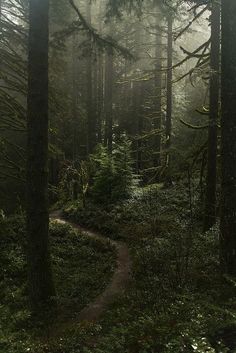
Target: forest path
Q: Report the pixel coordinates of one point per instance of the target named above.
(121, 276)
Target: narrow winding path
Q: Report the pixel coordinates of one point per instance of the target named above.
(119, 281)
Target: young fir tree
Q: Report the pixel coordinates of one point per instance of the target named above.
(114, 178)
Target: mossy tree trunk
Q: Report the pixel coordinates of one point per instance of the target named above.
(228, 202)
(41, 287)
(169, 95)
(210, 201)
(108, 99)
(91, 109)
(158, 92)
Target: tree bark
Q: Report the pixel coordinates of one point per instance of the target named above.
(100, 86)
(41, 287)
(210, 201)
(169, 95)
(138, 109)
(100, 98)
(91, 112)
(75, 100)
(158, 94)
(108, 99)
(228, 202)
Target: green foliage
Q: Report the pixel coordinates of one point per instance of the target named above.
(82, 268)
(176, 301)
(74, 181)
(114, 179)
(77, 261)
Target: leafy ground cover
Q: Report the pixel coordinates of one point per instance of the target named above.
(82, 268)
(175, 302)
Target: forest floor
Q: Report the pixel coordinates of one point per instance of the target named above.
(83, 267)
(173, 300)
(120, 278)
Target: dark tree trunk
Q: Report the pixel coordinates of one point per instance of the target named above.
(91, 112)
(138, 91)
(100, 84)
(228, 202)
(108, 99)
(75, 99)
(169, 96)
(158, 95)
(100, 97)
(41, 288)
(1, 6)
(210, 202)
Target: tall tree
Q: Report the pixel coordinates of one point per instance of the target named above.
(210, 202)
(169, 92)
(228, 206)
(40, 279)
(108, 97)
(158, 91)
(100, 81)
(75, 98)
(91, 109)
(139, 122)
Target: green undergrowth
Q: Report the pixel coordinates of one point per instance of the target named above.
(82, 268)
(177, 301)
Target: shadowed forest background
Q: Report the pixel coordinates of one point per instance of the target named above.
(117, 176)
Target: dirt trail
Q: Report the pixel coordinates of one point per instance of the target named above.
(121, 276)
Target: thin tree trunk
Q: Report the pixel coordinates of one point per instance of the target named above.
(228, 202)
(210, 201)
(100, 97)
(1, 15)
(100, 88)
(41, 288)
(108, 99)
(169, 96)
(75, 112)
(139, 116)
(158, 94)
(91, 114)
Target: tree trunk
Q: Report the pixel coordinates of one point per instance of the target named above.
(228, 202)
(108, 99)
(210, 201)
(75, 96)
(0, 15)
(100, 98)
(138, 91)
(100, 88)
(169, 96)
(158, 94)
(41, 288)
(91, 113)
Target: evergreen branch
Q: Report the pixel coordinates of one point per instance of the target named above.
(194, 127)
(108, 43)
